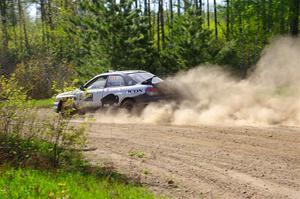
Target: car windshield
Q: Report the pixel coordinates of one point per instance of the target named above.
(140, 76)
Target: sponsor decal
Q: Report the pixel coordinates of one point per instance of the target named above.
(135, 91)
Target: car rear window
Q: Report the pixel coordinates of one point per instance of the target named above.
(140, 77)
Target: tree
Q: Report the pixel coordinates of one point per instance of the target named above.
(270, 15)
(4, 23)
(171, 13)
(186, 5)
(158, 25)
(98, 35)
(216, 19)
(208, 14)
(227, 18)
(149, 19)
(161, 11)
(23, 27)
(178, 7)
(200, 8)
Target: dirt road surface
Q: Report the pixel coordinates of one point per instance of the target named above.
(203, 162)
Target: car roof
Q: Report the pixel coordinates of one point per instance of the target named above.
(122, 72)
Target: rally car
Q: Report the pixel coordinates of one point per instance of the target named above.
(125, 89)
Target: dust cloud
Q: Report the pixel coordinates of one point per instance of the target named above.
(270, 95)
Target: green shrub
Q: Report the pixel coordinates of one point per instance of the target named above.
(25, 132)
(38, 74)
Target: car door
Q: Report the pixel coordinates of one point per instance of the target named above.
(114, 90)
(92, 96)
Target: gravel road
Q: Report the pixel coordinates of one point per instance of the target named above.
(202, 162)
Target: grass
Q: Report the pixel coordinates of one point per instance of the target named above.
(31, 175)
(30, 183)
(42, 103)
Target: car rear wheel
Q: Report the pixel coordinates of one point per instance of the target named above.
(128, 104)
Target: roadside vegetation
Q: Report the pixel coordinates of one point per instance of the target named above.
(40, 154)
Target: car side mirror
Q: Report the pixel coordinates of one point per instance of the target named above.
(81, 88)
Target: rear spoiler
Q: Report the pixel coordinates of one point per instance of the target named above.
(148, 81)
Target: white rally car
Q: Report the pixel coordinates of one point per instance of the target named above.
(118, 88)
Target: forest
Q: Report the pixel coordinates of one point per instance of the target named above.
(47, 43)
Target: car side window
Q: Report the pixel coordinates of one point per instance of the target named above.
(98, 83)
(115, 80)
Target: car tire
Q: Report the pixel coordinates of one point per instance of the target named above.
(62, 108)
(66, 110)
(128, 104)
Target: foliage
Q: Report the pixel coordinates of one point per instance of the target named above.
(190, 41)
(25, 132)
(69, 40)
(12, 97)
(39, 74)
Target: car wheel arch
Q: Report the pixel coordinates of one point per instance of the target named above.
(128, 99)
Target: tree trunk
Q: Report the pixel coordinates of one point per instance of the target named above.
(216, 19)
(158, 26)
(281, 17)
(294, 17)
(264, 21)
(171, 13)
(227, 19)
(186, 5)
(270, 15)
(145, 8)
(178, 7)
(162, 24)
(149, 18)
(23, 25)
(50, 13)
(240, 25)
(43, 19)
(14, 22)
(208, 14)
(200, 7)
(196, 5)
(3, 11)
